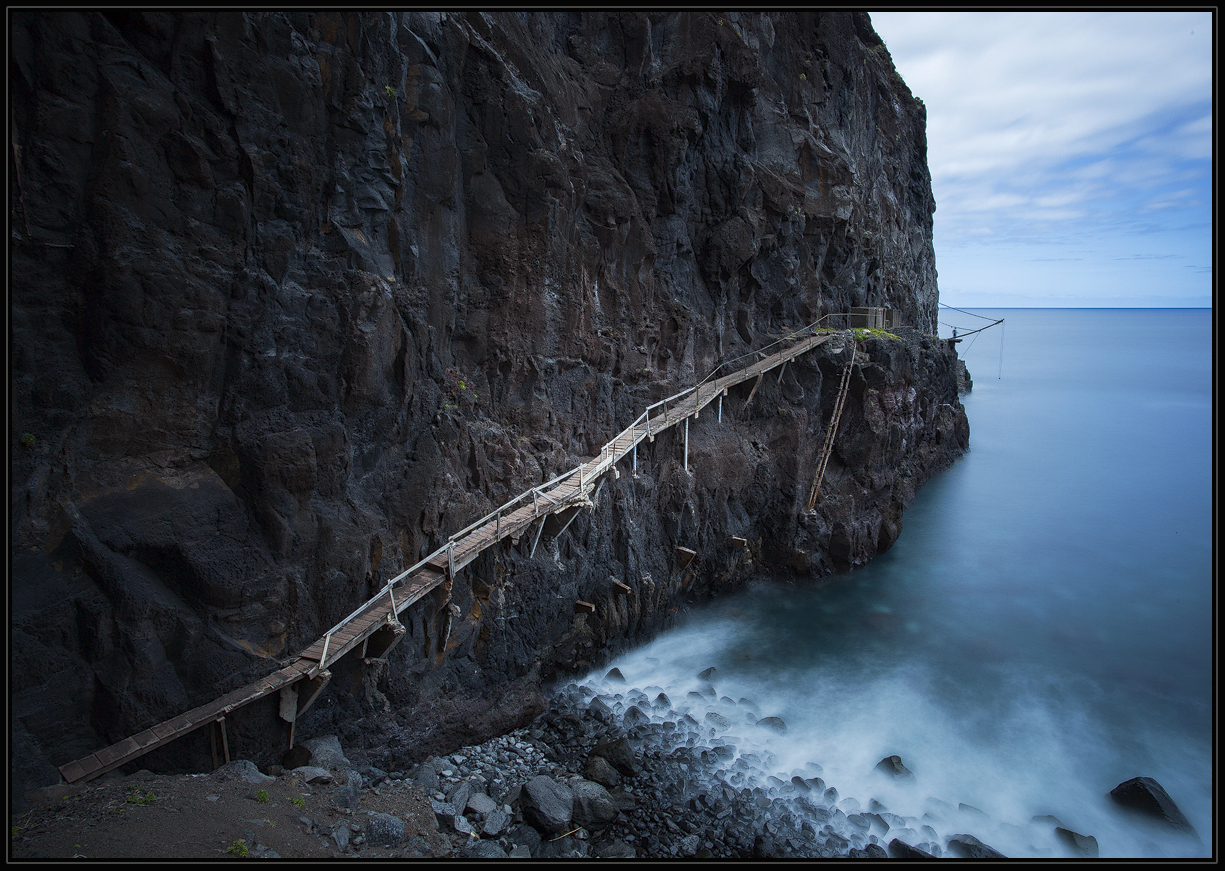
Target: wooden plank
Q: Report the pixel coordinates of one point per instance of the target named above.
(72, 771)
(162, 731)
(126, 746)
(180, 722)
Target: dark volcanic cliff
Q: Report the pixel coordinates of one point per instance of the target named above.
(297, 295)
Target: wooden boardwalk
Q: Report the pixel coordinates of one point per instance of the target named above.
(300, 681)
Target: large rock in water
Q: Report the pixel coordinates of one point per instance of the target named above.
(1084, 846)
(893, 767)
(969, 847)
(1145, 796)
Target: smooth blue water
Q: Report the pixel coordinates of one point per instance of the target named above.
(1042, 629)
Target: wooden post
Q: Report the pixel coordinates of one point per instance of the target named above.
(635, 459)
(225, 741)
(720, 408)
(327, 639)
(686, 444)
(536, 540)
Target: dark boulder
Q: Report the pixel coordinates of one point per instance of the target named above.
(892, 766)
(547, 805)
(902, 850)
(619, 754)
(969, 847)
(870, 851)
(1084, 846)
(1146, 797)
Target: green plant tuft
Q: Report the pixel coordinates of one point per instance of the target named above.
(390, 91)
(27, 440)
(238, 847)
(261, 796)
(137, 796)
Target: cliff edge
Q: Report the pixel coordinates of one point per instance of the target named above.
(295, 295)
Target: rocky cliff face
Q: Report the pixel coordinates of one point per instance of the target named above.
(297, 295)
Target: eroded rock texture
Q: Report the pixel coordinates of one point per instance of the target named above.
(296, 295)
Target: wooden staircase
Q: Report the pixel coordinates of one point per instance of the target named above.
(828, 447)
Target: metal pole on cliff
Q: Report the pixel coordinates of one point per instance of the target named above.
(1001, 372)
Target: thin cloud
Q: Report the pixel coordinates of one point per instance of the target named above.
(1049, 127)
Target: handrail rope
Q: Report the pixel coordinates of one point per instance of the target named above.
(971, 314)
(980, 329)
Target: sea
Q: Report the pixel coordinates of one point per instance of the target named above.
(1041, 631)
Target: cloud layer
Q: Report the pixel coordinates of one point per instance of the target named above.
(1065, 137)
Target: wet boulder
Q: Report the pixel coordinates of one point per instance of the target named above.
(1084, 846)
(902, 850)
(1146, 797)
(969, 847)
(893, 767)
(619, 754)
(600, 771)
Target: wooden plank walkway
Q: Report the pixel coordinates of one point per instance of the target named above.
(565, 492)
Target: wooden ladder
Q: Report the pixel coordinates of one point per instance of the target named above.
(828, 447)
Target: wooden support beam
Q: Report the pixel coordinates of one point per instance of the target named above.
(289, 704)
(756, 384)
(536, 540)
(225, 740)
(308, 690)
(737, 541)
(581, 607)
(686, 444)
(383, 640)
(685, 555)
(621, 589)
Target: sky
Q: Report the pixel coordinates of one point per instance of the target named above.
(1070, 153)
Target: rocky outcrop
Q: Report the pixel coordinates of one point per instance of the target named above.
(295, 295)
